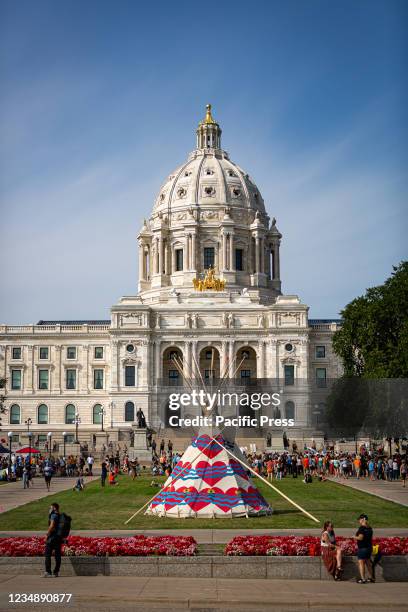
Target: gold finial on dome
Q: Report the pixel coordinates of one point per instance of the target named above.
(208, 116)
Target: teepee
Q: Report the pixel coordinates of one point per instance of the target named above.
(208, 483)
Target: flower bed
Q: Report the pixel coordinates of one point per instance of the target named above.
(137, 546)
(307, 546)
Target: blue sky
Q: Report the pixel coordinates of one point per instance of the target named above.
(100, 101)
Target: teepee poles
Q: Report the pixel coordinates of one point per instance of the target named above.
(268, 483)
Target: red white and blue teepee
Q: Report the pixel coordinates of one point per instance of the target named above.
(208, 483)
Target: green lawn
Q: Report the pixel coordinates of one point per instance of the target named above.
(109, 508)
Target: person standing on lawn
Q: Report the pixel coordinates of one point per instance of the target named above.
(403, 472)
(90, 462)
(47, 474)
(364, 537)
(53, 542)
(104, 473)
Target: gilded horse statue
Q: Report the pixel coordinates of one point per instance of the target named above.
(209, 283)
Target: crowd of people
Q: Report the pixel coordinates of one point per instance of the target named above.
(365, 464)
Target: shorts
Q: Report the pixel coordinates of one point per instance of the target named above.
(47, 478)
(364, 553)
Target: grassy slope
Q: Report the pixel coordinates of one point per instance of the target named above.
(109, 508)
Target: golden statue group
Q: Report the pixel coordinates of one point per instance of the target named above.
(209, 282)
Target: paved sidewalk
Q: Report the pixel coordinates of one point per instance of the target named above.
(13, 494)
(391, 491)
(211, 536)
(125, 593)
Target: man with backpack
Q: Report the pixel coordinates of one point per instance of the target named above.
(59, 526)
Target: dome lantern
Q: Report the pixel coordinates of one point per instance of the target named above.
(208, 132)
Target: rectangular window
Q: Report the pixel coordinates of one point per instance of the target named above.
(16, 352)
(43, 379)
(98, 353)
(321, 377)
(130, 376)
(16, 379)
(208, 354)
(71, 352)
(289, 375)
(209, 374)
(15, 439)
(41, 440)
(246, 374)
(69, 438)
(173, 377)
(71, 379)
(179, 260)
(43, 352)
(209, 257)
(320, 352)
(239, 259)
(98, 379)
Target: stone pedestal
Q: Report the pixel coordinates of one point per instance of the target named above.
(101, 438)
(139, 438)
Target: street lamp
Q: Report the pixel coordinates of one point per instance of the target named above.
(49, 436)
(64, 435)
(102, 411)
(77, 421)
(10, 437)
(30, 435)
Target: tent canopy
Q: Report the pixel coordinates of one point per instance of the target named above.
(27, 450)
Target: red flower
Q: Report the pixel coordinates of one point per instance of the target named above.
(33, 546)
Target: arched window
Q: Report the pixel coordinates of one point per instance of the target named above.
(42, 414)
(129, 411)
(97, 417)
(15, 414)
(69, 414)
(290, 410)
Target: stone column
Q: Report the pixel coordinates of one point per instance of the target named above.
(187, 359)
(141, 262)
(224, 251)
(193, 352)
(157, 364)
(84, 386)
(57, 376)
(257, 255)
(187, 263)
(193, 252)
(261, 360)
(29, 383)
(231, 254)
(231, 360)
(223, 359)
(277, 262)
(114, 366)
(160, 254)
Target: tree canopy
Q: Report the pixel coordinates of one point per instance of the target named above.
(373, 339)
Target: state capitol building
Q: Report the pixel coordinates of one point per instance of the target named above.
(209, 297)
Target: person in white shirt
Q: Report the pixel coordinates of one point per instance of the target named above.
(90, 462)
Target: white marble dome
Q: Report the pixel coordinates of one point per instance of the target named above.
(209, 178)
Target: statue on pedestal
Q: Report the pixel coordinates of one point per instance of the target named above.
(141, 419)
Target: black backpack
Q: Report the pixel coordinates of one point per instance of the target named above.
(64, 525)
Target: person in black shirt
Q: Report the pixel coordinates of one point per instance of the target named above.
(53, 542)
(364, 537)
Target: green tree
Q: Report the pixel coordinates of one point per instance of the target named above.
(373, 339)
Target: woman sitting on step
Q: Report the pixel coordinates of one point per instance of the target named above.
(331, 553)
